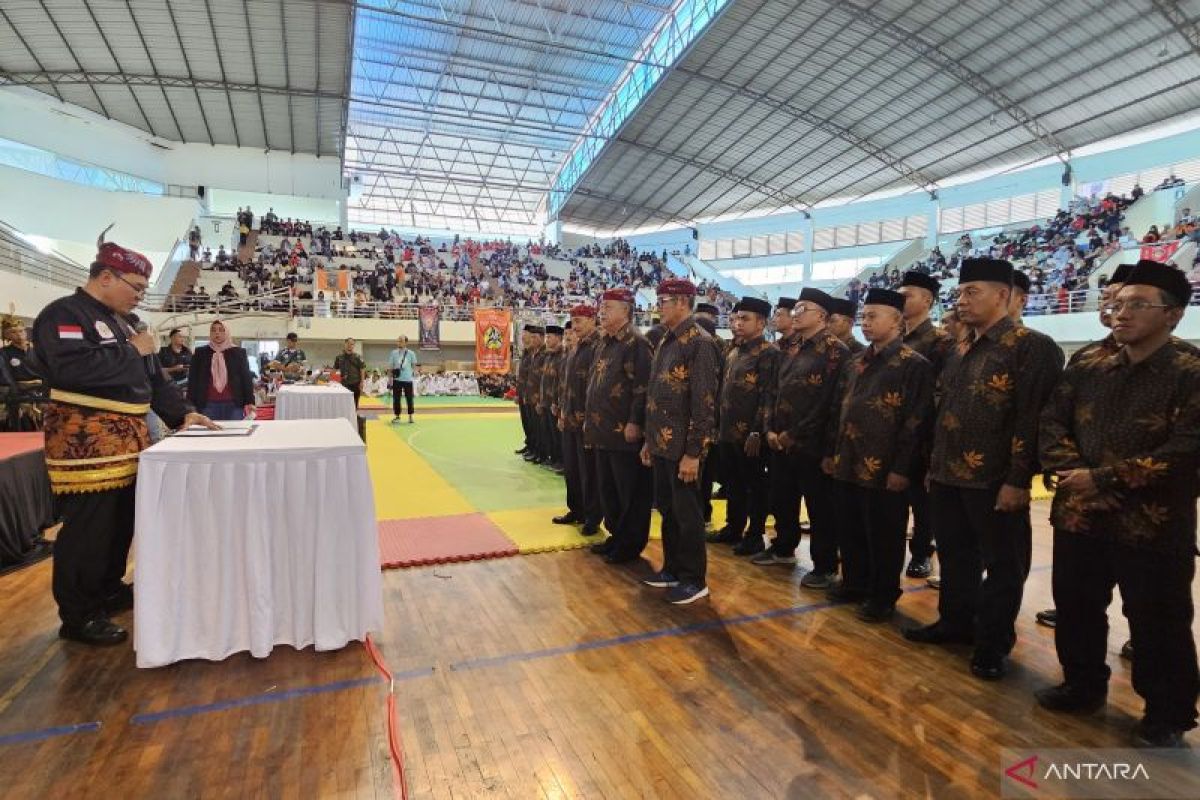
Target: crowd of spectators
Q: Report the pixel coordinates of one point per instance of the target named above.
(1059, 256)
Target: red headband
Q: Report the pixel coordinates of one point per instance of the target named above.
(678, 287)
(118, 259)
(583, 311)
(620, 294)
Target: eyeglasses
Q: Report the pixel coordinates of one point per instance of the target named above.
(1132, 305)
(141, 290)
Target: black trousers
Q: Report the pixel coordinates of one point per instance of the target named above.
(745, 482)
(1156, 595)
(91, 551)
(974, 539)
(552, 436)
(795, 476)
(709, 474)
(356, 390)
(870, 525)
(583, 491)
(626, 494)
(679, 503)
(921, 545)
(404, 388)
(529, 422)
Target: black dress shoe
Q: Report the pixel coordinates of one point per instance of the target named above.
(750, 546)
(936, 634)
(589, 529)
(520, 452)
(723, 536)
(873, 612)
(602, 548)
(1127, 650)
(988, 666)
(565, 519)
(120, 600)
(1158, 736)
(95, 632)
(919, 568)
(840, 593)
(1070, 699)
(620, 558)
(1048, 617)
(533, 458)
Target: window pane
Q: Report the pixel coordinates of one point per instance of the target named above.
(795, 241)
(724, 248)
(741, 247)
(916, 226)
(758, 246)
(868, 233)
(823, 239)
(892, 230)
(777, 244)
(708, 249)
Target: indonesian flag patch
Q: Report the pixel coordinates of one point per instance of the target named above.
(70, 332)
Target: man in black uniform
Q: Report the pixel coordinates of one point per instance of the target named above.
(745, 403)
(547, 407)
(706, 317)
(583, 494)
(19, 379)
(934, 344)
(1122, 431)
(104, 378)
(841, 324)
(613, 426)
(681, 411)
(796, 435)
(531, 343)
(991, 393)
(175, 357)
(885, 401)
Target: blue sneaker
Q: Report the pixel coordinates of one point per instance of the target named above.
(661, 580)
(686, 593)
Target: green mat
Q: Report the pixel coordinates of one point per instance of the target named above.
(460, 402)
(474, 454)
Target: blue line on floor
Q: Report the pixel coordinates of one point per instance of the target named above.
(47, 733)
(253, 700)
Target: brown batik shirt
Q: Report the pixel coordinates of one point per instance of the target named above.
(853, 345)
(616, 393)
(551, 375)
(931, 342)
(1137, 428)
(747, 389)
(804, 392)
(573, 384)
(884, 404)
(681, 403)
(991, 392)
(529, 377)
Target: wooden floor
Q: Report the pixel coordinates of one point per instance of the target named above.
(542, 677)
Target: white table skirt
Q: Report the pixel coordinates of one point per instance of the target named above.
(243, 543)
(331, 401)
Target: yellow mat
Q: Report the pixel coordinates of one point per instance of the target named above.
(406, 487)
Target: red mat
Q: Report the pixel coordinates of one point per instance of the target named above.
(439, 540)
(15, 444)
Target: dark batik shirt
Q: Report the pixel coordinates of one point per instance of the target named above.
(531, 388)
(885, 401)
(551, 375)
(616, 393)
(853, 345)
(1108, 346)
(931, 342)
(747, 389)
(577, 367)
(681, 402)
(524, 367)
(805, 389)
(1137, 428)
(991, 393)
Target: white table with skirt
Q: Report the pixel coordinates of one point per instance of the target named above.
(246, 542)
(303, 401)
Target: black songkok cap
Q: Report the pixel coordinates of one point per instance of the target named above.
(844, 307)
(555, 329)
(921, 280)
(538, 329)
(706, 308)
(817, 296)
(986, 269)
(755, 305)
(885, 297)
(1121, 273)
(786, 302)
(1021, 281)
(1161, 276)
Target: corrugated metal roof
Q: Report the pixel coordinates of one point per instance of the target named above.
(261, 73)
(785, 104)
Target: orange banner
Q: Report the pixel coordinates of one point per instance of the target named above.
(343, 280)
(1160, 252)
(322, 280)
(493, 341)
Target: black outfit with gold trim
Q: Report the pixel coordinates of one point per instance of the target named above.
(101, 389)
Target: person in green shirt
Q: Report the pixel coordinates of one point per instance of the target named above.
(352, 367)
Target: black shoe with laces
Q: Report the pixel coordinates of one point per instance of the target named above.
(565, 519)
(750, 546)
(1070, 699)
(723, 536)
(1047, 617)
(988, 666)
(120, 600)
(937, 634)
(1159, 736)
(602, 548)
(919, 568)
(873, 612)
(95, 632)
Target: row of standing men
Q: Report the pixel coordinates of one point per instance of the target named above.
(920, 420)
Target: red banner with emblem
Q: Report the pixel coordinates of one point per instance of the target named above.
(1161, 251)
(493, 341)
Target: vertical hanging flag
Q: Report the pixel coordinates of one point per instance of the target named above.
(431, 327)
(493, 341)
